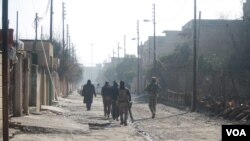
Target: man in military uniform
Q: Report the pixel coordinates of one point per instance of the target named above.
(123, 101)
(153, 90)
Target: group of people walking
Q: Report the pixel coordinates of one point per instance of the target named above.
(117, 99)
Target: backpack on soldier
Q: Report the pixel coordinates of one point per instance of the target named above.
(123, 95)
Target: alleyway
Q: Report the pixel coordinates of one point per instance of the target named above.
(68, 120)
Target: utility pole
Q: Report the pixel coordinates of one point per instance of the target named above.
(70, 51)
(198, 35)
(118, 51)
(16, 28)
(5, 70)
(34, 54)
(67, 37)
(140, 67)
(154, 40)
(138, 58)
(36, 26)
(193, 106)
(67, 45)
(124, 39)
(74, 54)
(51, 21)
(63, 43)
(118, 48)
(113, 63)
(67, 56)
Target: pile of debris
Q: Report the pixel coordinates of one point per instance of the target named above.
(236, 112)
(231, 110)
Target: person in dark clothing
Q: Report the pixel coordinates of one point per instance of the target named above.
(114, 95)
(123, 101)
(88, 92)
(106, 97)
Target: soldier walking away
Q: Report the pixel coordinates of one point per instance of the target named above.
(123, 100)
(106, 97)
(114, 95)
(88, 92)
(153, 90)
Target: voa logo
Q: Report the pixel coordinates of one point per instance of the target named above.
(236, 132)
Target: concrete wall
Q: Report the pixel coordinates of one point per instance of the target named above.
(35, 97)
(18, 95)
(1, 96)
(48, 47)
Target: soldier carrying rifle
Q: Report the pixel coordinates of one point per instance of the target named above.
(153, 90)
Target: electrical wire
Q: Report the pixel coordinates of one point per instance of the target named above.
(47, 9)
(47, 66)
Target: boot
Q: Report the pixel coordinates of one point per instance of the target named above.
(125, 123)
(153, 115)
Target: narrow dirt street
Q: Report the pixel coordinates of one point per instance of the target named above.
(174, 124)
(69, 120)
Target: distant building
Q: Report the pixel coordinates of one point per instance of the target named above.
(216, 36)
(246, 10)
(91, 72)
(164, 45)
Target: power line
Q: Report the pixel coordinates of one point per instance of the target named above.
(193, 104)
(47, 9)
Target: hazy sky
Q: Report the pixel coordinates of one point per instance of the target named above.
(103, 23)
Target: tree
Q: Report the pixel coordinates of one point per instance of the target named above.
(127, 69)
(69, 68)
(124, 70)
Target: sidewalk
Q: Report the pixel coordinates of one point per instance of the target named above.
(68, 120)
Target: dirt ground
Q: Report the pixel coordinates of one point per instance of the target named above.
(68, 120)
